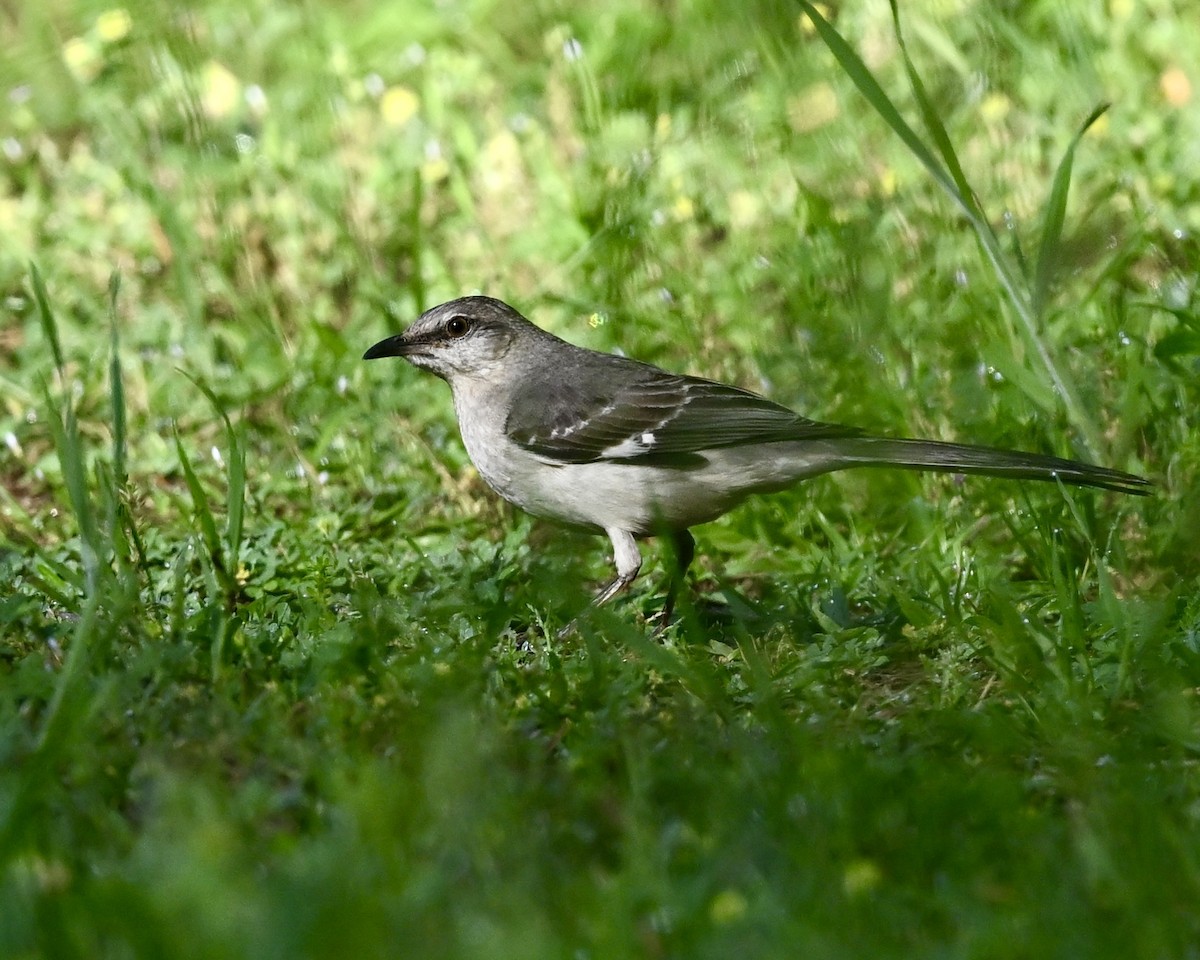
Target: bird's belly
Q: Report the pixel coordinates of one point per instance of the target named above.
(643, 499)
(639, 499)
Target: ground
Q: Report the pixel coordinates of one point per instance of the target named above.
(278, 674)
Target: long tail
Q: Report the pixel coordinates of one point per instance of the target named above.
(968, 458)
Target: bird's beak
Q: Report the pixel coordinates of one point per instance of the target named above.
(395, 346)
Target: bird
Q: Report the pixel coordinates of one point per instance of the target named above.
(610, 444)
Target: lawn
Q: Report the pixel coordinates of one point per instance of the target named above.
(279, 675)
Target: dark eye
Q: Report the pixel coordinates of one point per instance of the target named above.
(457, 327)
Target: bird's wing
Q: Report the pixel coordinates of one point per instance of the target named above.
(636, 412)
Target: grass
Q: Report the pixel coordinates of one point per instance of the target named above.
(275, 669)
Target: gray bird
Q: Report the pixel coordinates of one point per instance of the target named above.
(609, 444)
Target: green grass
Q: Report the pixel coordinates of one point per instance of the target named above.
(276, 669)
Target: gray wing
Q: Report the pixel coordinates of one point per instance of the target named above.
(630, 411)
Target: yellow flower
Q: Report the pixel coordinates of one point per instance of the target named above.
(1176, 87)
(435, 170)
(82, 59)
(219, 90)
(113, 25)
(861, 876)
(994, 108)
(728, 906)
(1121, 9)
(399, 105)
(806, 25)
(813, 107)
(744, 209)
(887, 182)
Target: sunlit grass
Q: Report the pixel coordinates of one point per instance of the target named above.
(277, 675)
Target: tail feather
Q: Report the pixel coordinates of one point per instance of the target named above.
(941, 457)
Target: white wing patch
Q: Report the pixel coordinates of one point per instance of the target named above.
(637, 446)
(640, 444)
(644, 441)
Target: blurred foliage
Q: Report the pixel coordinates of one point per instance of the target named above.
(902, 716)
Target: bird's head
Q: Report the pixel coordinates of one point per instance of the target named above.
(466, 338)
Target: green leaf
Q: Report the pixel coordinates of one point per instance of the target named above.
(236, 476)
(116, 384)
(46, 315)
(1056, 208)
(862, 77)
(208, 526)
(954, 182)
(933, 124)
(236, 498)
(67, 442)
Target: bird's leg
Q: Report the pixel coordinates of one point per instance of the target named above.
(628, 559)
(684, 545)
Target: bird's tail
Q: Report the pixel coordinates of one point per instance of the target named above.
(942, 457)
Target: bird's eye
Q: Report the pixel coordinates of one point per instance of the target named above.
(457, 327)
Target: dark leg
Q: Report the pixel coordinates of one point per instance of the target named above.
(685, 549)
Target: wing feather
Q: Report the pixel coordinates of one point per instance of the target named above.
(630, 411)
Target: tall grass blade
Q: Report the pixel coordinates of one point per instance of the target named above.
(934, 125)
(208, 526)
(65, 432)
(869, 87)
(65, 703)
(121, 523)
(1056, 210)
(236, 502)
(116, 383)
(956, 185)
(46, 316)
(236, 473)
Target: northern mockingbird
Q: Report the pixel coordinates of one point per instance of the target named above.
(610, 444)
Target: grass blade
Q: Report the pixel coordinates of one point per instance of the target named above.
(1056, 209)
(122, 530)
(116, 383)
(937, 130)
(236, 495)
(65, 431)
(869, 87)
(955, 184)
(67, 704)
(208, 526)
(46, 316)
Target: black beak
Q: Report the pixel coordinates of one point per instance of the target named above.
(395, 346)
